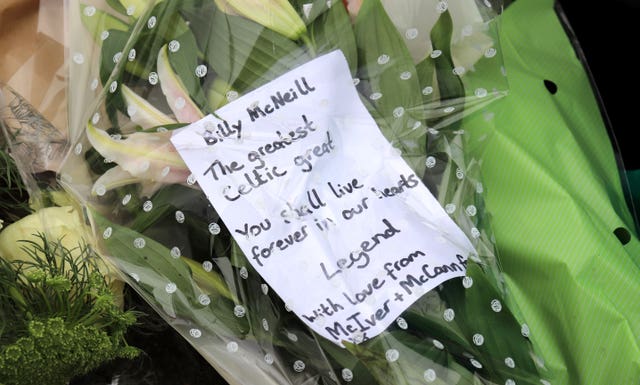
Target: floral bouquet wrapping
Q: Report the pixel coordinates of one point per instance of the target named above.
(292, 187)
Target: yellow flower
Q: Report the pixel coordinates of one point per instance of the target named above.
(57, 223)
(277, 15)
(54, 222)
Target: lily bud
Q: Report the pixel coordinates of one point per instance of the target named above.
(146, 156)
(142, 112)
(277, 15)
(62, 223)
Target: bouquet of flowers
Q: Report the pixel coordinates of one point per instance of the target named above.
(61, 310)
(291, 186)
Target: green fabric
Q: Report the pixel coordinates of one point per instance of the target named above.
(553, 190)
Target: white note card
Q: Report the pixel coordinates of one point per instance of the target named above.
(325, 209)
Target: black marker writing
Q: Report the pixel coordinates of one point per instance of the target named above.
(281, 98)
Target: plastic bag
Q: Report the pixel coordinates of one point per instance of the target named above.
(567, 239)
(154, 69)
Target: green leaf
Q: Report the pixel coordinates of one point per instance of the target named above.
(100, 21)
(475, 314)
(243, 53)
(415, 353)
(210, 281)
(333, 30)
(113, 45)
(225, 40)
(441, 87)
(137, 7)
(344, 358)
(432, 324)
(117, 6)
(388, 79)
(449, 84)
(154, 268)
(271, 56)
(152, 259)
(426, 70)
(169, 26)
(184, 63)
(415, 160)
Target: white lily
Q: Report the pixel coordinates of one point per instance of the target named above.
(142, 112)
(140, 157)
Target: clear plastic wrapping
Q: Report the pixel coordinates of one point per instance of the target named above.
(142, 72)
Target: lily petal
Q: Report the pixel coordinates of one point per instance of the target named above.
(117, 177)
(184, 109)
(353, 7)
(145, 155)
(142, 112)
(277, 15)
(113, 178)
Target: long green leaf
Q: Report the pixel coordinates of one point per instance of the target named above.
(272, 55)
(153, 268)
(389, 80)
(184, 62)
(117, 6)
(97, 21)
(123, 245)
(449, 84)
(243, 53)
(501, 330)
(333, 30)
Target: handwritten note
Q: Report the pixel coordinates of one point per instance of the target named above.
(323, 206)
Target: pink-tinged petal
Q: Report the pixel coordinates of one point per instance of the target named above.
(184, 109)
(117, 177)
(142, 112)
(353, 7)
(277, 15)
(149, 156)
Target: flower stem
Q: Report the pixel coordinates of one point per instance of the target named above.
(309, 43)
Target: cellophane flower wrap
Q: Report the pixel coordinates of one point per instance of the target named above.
(141, 74)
